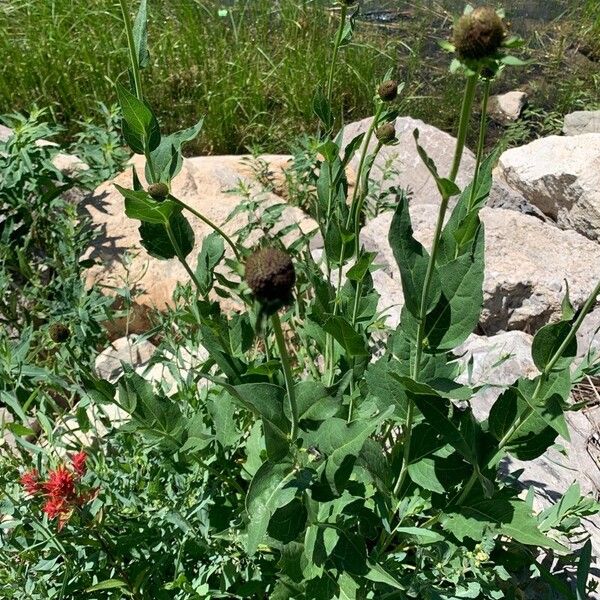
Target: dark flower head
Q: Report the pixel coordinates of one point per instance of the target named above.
(479, 34)
(271, 276)
(158, 191)
(59, 333)
(388, 90)
(386, 134)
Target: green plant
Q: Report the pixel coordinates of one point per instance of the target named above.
(291, 461)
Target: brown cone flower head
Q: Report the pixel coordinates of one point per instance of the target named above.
(271, 276)
(158, 191)
(388, 90)
(59, 333)
(479, 34)
(386, 133)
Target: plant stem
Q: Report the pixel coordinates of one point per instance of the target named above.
(361, 164)
(287, 373)
(336, 50)
(481, 142)
(206, 220)
(133, 59)
(465, 116)
(181, 257)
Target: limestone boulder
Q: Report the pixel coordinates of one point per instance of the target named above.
(582, 121)
(401, 166)
(561, 177)
(507, 108)
(527, 262)
(205, 183)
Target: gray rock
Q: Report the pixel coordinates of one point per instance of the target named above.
(527, 262)
(507, 108)
(401, 166)
(582, 121)
(503, 196)
(561, 177)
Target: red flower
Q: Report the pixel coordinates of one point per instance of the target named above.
(78, 461)
(30, 480)
(60, 484)
(54, 507)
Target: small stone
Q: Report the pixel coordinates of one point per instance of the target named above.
(507, 108)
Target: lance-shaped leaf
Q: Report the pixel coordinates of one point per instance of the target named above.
(140, 36)
(412, 260)
(272, 488)
(140, 126)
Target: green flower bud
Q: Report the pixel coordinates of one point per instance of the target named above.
(271, 276)
(388, 90)
(386, 134)
(479, 34)
(59, 333)
(158, 191)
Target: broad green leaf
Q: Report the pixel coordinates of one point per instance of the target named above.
(412, 260)
(288, 522)
(167, 158)
(140, 36)
(140, 127)
(458, 310)
(423, 473)
(379, 575)
(358, 271)
(524, 432)
(567, 312)
(211, 254)
(457, 428)
(266, 401)
(507, 516)
(422, 535)
(343, 333)
(139, 205)
(547, 342)
(314, 401)
(271, 488)
(156, 240)
(550, 396)
(383, 385)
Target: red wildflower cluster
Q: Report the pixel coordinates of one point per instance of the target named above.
(60, 489)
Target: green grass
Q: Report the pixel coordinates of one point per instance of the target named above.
(252, 73)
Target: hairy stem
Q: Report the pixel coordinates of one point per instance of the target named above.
(133, 59)
(181, 257)
(465, 116)
(287, 373)
(481, 142)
